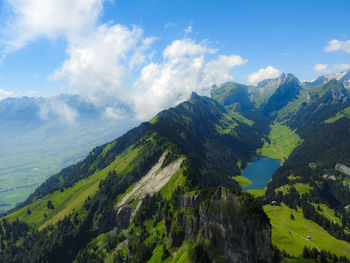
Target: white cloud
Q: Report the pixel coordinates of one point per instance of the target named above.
(31, 19)
(184, 70)
(139, 55)
(98, 63)
(112, 62)
(5, 94)
(337, 45)
(325, 68)
(186, 47)
(188, 30)
(113, 113)
(342, 66)
(58, 109)
(169, 25)
(321, 67)
(218, 71)
(265, 73)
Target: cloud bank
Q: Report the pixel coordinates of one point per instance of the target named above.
(184, 69)
(325, 68)
(58, 109)
(113, 62)
(338, 45)
(265, 73)
(98, 64)
(6, 94)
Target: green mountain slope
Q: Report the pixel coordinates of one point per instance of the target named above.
(234, 95)
(309, 177)
(135, 198)
(166, 190)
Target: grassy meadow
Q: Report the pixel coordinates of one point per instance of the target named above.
(299, 228)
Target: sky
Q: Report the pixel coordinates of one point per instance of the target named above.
(151, 54)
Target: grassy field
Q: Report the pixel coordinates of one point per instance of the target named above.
(241, 118)
(303, 188)
(339, 115)
(72, 199)
(299, 229)
(243, 181)
(256, 192)
(298, 260)
(328, 213)
(282, 142)
(292, 177)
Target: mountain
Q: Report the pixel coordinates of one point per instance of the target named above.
(234, 95)
(264, 89)
(162, 191)
(40, 136)
(169, 190)
(288, 88)
(342, 77)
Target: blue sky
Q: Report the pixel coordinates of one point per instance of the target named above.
(57, 54)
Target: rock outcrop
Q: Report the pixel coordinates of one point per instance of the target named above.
(223, 220)
(342, 168)
(151, 183)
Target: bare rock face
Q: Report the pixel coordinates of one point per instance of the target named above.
(149, 184)
(123, 217)
(240, 233)
(338, 95)
(342, 168)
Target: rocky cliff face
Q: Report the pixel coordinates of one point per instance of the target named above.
(342, 168)
(149, 184)
(223, 221)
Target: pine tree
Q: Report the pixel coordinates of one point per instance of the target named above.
(306, 252)
(50, 205)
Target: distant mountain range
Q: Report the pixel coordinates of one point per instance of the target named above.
(342, 77)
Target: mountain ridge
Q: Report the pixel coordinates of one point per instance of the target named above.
(192, 217)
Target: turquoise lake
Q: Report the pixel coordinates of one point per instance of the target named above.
(260, 171)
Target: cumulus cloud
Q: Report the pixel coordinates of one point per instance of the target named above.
(5, 94)
(113, 62)
(31, 19)
(186, 47)
(325, 68)
(218, 71)
(265, 73)
(338, 45)
(321, 67)
(97, 64)
(185, 69)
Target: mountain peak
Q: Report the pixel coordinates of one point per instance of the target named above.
(194, 95)
(338, 76)
(234, 95)
(284, 77)
(343, 77)
(286, 88)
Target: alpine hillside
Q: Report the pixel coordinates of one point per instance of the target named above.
(170, 190)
